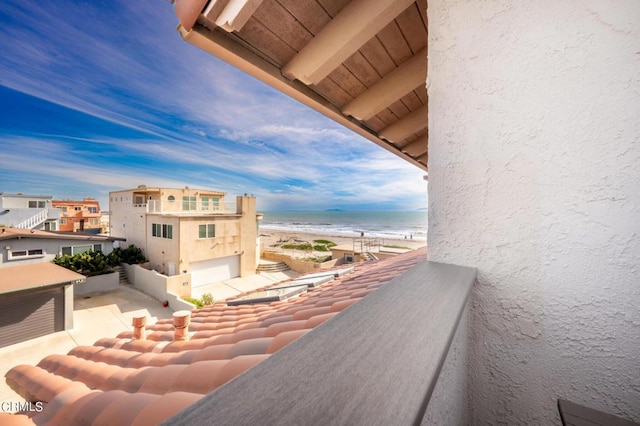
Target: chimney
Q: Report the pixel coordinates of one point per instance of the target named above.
(139, 328)
(181, 320)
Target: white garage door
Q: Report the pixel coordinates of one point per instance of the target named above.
(211, 271)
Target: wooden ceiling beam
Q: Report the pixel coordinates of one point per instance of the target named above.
(417, 147)
(406, 126)
(411, 74)
(220, 45)
(231, 15)
(356, 24)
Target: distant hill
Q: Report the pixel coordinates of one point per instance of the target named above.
(335, 210)
(422, 209)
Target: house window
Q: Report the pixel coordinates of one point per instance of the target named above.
(205, 203)
(216, 203)
(25, 254)
(171, 198)
(93, 221)
(63, 221)
(71, 250)
(93, 210)
(188, 203)
(162, 230)
(78, 208)
(63, 209)
(207, 230)
(37, 204)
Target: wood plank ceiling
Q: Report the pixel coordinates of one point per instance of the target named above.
(362, 63)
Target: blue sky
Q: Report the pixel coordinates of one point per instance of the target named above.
(104, 95)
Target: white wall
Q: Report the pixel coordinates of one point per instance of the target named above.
(534, 178)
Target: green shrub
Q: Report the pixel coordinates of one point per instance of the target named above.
(88, 263)
(197, 302)
(325, 243)
(207, 299)
(319, 259)
(131, 255)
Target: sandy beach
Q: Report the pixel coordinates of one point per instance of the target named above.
(272, 240)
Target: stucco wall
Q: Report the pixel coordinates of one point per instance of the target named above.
(97, 283)
(534, 178)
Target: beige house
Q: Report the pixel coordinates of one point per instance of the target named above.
(187, 230)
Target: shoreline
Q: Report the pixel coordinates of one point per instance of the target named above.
(269, 238)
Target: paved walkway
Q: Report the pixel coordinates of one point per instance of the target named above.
(232, 287)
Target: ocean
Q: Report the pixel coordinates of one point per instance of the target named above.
(379, 224)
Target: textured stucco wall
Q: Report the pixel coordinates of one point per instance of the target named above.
(448, 405)
(534, 178)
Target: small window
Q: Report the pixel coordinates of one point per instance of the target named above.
(66, 250)
(63, 221)
(171, 198)
(63, 209)
(162, 230)
(25, 254)
(188, 203)
(207, 230)
(93, 210)
(97, 247)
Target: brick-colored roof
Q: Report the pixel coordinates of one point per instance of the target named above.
(124, 381)
(23, 277)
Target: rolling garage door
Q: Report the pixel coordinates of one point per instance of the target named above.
(213, 270)
(28, 314)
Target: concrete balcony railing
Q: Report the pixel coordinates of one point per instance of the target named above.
(388, 359)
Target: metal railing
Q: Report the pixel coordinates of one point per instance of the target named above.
(179, 206)
(34, 220)
(362, 245)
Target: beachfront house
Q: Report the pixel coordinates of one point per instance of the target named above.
(79, 215)
(28, 211)
(188, 230)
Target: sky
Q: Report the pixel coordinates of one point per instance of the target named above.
(105, 95)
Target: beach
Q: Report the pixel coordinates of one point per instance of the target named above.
(272, 239)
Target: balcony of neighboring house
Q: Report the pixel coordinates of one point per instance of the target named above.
(189, 206)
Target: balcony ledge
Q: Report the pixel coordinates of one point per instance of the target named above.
(375, 363)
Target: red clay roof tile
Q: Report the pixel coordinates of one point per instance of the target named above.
(125, 381)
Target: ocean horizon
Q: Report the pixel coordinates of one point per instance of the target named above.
(378, 224)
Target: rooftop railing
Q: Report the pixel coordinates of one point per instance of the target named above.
(376, 362)
(182, 207)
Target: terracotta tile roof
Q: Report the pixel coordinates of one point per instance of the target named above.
(124, 381)
(23, 277)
